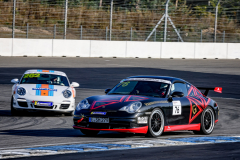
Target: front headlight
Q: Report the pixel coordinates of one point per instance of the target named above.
(21, 91)
(67, 93)
(132, 108)
(83, 105)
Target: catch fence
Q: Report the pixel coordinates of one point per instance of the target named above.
(128, 20)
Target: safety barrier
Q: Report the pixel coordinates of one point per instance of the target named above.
(119, 49)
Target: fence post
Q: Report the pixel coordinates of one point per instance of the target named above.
(65, 19)
(27, 31)
(131, 34)
(54, 31)
(81, 32)
(106, 33)
(223, 36)
(179, 33)
(110, 35)
(14, 13)
(166, 17)
(155, 35)
(215, 27)
(201, 35)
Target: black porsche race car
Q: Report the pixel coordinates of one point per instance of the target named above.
(149, 105)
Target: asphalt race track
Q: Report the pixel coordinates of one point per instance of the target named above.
(97, 74)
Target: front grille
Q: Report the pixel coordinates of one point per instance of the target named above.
(23, 104)
(44, 107)
(64, 106)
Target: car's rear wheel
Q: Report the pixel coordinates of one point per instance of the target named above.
(155, 123)
(89, 132)
(207, 122)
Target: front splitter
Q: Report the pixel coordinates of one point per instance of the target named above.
(142, 130)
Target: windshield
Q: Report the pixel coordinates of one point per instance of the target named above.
(38, 78)
(147, 88)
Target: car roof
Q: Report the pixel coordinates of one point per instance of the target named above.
(172, 79)
(45, 72)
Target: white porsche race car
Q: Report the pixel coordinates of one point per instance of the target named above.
(43, 90)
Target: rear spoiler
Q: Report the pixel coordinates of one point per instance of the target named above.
(216, 89)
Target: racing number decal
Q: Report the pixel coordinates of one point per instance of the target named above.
(194, 109)
(32, 75)
(125, 84)
(177, 108)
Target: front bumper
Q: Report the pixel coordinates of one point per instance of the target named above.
(117, 122)
(58, 105)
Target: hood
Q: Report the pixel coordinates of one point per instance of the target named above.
(113, 102)
(43, 89)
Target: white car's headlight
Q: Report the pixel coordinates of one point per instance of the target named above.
(83, 105)
(67, 93)
(21, 91)
(132, 108)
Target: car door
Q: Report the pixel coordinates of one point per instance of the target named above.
(179, 107)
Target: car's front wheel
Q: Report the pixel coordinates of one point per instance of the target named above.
(156, 123)
(69, 114)
(89, 132)
(13, 110)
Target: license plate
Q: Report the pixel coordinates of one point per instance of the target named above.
(39, 103)
(98, 120)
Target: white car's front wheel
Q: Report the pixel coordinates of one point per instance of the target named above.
(13, 110)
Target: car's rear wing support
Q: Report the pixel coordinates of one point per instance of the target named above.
(207, 89)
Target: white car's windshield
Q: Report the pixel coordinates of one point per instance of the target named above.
(147, 88)
(39, 78)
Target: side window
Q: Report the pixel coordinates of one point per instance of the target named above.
(193, 91)
(179, 87)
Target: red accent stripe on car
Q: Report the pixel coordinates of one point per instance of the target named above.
(80, 120)
(216, 121)
(195, 127)
(131, 130)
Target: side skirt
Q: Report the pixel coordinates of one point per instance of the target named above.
(192, 127)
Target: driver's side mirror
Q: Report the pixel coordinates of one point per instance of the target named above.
(75, 84)
(107, 90)
(177, 94)
(15, 80)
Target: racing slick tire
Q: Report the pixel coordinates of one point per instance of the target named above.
(89, 132)
(69, 114)
(14, 112)
(207, 122)
(155, 123)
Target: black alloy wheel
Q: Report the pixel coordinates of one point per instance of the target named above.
(155, 123)
(207, 122)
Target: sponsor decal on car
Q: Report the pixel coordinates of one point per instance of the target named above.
(151, 103)
(148, 79)
(100, 113)
(40, 103)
